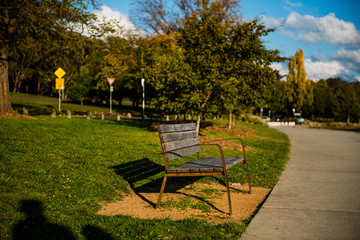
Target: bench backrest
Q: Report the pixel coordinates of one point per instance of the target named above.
(173, 136)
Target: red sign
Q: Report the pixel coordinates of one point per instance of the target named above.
(111, 80)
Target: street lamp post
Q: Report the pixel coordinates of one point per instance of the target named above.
(143, 97)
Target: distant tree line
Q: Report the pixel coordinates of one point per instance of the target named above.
(333, 98)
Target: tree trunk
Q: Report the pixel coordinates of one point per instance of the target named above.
(198, 123)
(5, 103)
(230, 119)
(15, 84)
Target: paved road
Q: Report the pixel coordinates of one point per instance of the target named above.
(318, 195)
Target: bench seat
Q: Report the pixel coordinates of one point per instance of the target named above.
(205, 164)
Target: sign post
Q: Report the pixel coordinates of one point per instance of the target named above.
(111, 81)
(143, 100)
(59, 84)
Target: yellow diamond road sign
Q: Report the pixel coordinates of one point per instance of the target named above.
(59, 72)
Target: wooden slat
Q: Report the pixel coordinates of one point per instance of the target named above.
(168, 137)
(167, 128)
(180, 144)
(204, 165)
(181, 153)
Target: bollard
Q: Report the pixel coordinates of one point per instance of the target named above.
(88, 115)
(102, 116)
(118, 117)
(53, 113)
(129, 115)
(167, 117)
(25, 111)
(68, 113)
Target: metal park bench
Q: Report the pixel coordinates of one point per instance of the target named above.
(179, 140)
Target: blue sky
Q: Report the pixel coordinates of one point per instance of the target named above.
(328, 31)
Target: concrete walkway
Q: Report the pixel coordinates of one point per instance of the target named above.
(318, 195)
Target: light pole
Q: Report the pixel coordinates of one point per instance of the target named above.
(143, 97)
(111, 90)
(111, 81)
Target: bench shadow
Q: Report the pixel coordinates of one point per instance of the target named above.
(222, 182)
(144, 169)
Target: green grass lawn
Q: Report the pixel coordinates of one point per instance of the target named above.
(54, 172)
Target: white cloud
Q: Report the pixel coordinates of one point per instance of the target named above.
(293, 4)
(120, 23)
(282, 67)
(344, 63)
(328, 29)
(317, 70)
(107, 14)
(350, 58)
(349, 55)
(271, 22)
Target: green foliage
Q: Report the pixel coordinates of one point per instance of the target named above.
(347, 104)
(80, 85)
(218, 62)
(322, 99)
(335, 98)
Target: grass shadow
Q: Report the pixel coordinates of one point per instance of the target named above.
(95, 233)
(35, 226)
(33, 110)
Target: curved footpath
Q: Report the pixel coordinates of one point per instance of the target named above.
(318, 195)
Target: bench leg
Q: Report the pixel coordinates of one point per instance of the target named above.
(228, 192)
(161, 192)
(248, 175)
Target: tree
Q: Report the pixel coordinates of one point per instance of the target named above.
(48, 20)
(322, 99)
(215, 62)
(203, 40)
(347, 105)
(80, 85)
(301, 89)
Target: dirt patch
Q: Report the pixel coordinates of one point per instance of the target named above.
(240, 131)
(204, 201)
(225, 144)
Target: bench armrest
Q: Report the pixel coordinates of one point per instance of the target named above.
(226, 139)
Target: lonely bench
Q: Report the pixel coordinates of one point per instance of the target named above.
(180, 140)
